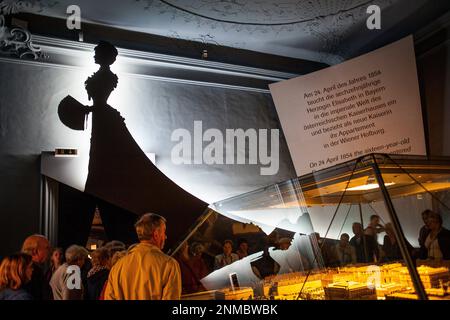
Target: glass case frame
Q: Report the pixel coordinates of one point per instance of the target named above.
(341, 183)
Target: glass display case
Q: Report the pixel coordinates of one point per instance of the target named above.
(371, 228)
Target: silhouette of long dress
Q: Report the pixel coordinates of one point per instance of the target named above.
(119, 171)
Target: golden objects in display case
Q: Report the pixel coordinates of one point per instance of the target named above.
(350, 291)
(355, 282)
(431, 277)
(224, 294)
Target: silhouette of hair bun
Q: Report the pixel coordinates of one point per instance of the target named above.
(105, 53)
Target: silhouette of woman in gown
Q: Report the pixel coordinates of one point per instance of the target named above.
(119, 171)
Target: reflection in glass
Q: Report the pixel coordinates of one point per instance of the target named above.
(371, 228)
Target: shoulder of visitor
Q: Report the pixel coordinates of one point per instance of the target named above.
(146, 248)
(10, 294)
(61, 268)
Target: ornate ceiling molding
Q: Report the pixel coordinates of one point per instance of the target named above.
(71, 55)
(264, 12)
(330, 23)
(327, 31)
(319, 30)
(8, 7)
(16, 42)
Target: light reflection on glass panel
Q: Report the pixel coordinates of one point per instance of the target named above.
(314, 213)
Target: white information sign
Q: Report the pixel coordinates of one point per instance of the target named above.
(369, 104)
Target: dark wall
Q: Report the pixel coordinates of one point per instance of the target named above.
(76, 211)
(433, 62)
(19, 199)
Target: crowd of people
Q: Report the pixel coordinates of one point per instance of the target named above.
(41, 273)
(365, 247)
(143, 272)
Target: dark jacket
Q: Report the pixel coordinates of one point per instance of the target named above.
(371, 249)
(328, 251)
(38, 286)
(423, 234)
(392, 250)
(19, 294)
(190, 278)
(95, 284)
(443, 238)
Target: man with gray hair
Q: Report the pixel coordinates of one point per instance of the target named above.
(66, 281)
(38, 247)
(146, 273)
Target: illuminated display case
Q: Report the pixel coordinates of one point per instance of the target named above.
(371, 228)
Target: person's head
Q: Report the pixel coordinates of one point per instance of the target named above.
(105, 53)
(197, 249)
(389, 229)
(57, 257)
(117, 256)
(114, 246)
(434, 221)
(100, 257)
(374, 220)
(344, 239)
(227, 247)
(76, 255)
(284, 243)
(38, 247)
(15, 271)
(425, 214)
(151, 228)
(357, 229)
(243, 245)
